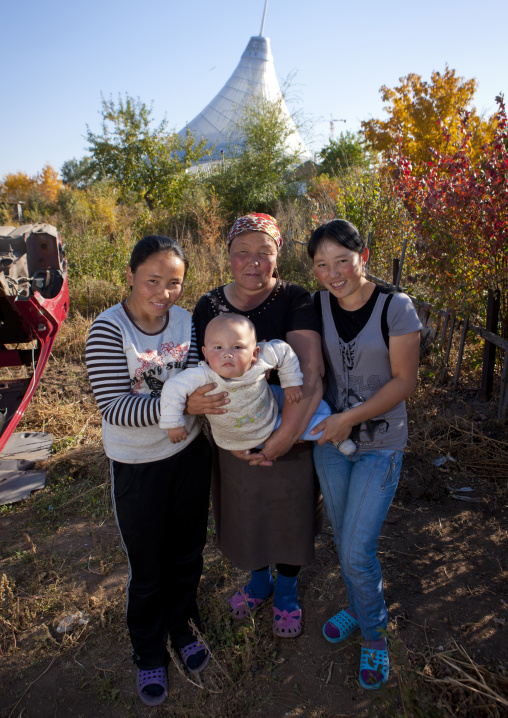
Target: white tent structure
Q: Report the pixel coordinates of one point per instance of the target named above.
(253, 78)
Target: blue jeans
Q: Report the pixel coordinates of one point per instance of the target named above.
(358, 490)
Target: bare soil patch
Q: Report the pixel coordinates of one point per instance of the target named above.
(445, 565)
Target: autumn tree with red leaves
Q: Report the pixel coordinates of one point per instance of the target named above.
(459, 208)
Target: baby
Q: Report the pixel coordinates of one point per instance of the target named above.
(238, 365)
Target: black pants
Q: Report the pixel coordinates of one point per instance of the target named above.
(161, 509)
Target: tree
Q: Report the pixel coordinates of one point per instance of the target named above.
(49, 183)
(17, 187)
(460, 212)
(342, 154)
(260, 170)
(145, 163)
(20, 187)
(417, 111)
(78, 173)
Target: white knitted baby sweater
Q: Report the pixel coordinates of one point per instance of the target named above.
(252, 411)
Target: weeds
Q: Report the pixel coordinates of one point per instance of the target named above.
(435, 684)
(406, 699)
(65, 497)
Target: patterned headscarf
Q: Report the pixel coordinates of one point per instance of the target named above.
(257, 223)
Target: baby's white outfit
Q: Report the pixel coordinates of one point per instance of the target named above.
(252, 411)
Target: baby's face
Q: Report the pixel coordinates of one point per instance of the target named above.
(230, 349)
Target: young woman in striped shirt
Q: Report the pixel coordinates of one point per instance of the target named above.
(160, 490)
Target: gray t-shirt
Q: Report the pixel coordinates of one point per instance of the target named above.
(357, 369)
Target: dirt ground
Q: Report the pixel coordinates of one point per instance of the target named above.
(445, 565)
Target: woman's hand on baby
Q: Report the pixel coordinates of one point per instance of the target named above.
(335, 428)
(277, 444)
(198, 403)
(178, 434)
(293, 394)
(254, 458)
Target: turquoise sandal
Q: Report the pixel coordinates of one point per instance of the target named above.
(340, 627)
(374, 668)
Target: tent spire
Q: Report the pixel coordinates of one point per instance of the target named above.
(254, 77)
(263, 21)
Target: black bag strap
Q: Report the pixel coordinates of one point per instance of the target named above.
(384, 317)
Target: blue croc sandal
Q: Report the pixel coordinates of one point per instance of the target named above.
(374, 668)
(195, 656)
(153, 686)
(340, 627)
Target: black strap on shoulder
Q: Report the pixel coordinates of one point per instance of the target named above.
(316, 297)
(384, 316)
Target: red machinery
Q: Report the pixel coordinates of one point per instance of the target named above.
(34, 301)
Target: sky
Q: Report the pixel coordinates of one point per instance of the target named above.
(58, 58)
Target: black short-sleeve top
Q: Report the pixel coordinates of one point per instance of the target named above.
(288, 307)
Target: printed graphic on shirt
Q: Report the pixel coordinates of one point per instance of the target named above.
(368, 432)
(153, 364)
(351, 388)
(242, 420)
(348, 354)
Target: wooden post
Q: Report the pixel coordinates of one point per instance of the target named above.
(401, 262)
(448, 348)
(289, 236)
(489, 351)
(445, 327)
(503, 390)
(461, 353)
(395, 270)
(369, 243)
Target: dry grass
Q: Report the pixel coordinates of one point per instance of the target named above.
(462, 439)
(465, 687)
(445, 424)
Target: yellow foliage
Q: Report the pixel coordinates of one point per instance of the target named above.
(416, 110)
(48, 183)
(20, 187)
(17, 187)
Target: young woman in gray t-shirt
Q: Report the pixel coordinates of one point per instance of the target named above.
(369, 374)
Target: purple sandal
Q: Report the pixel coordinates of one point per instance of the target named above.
(156, 677)
(287, 625)
(189, 654)
(242, 604)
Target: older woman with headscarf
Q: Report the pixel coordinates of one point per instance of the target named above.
(266, 503)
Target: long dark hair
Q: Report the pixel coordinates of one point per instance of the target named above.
(152, 244)
(339, 231)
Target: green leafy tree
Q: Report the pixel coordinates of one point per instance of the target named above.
(260, 171)
(341, 155)
(144, 162)
(78, 173)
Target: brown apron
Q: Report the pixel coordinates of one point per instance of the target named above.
(266, 515)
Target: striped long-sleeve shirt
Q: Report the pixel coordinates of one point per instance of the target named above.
(127, 369)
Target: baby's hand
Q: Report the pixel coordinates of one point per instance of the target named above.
(293, 394)
(178, 434)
